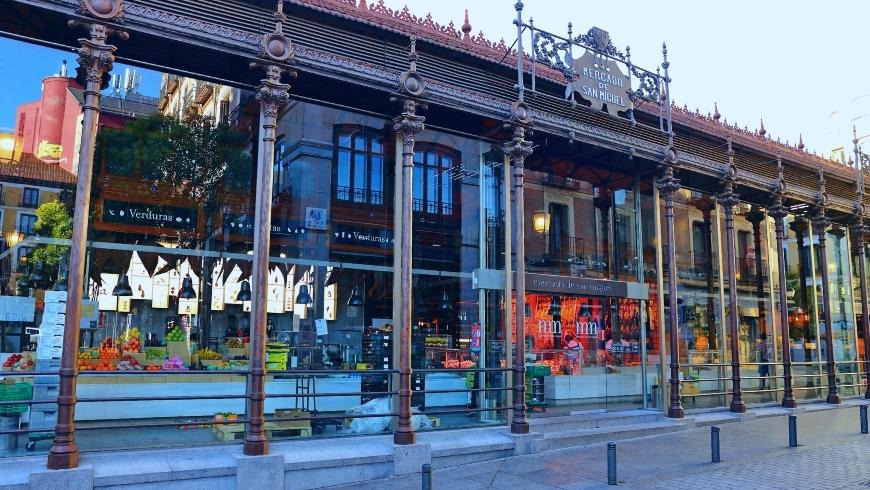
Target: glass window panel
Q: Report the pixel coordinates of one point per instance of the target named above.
(343, 175)
(359, 143)
(359, 177)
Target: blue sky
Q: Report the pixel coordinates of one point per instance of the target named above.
(802, 66)
(791, 63)
(31, 64)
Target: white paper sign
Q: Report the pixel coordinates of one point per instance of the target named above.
(320, 325)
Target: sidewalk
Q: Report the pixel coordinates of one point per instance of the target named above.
(832, 453)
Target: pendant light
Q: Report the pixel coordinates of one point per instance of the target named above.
(356, 299)
(244, 291)
(187, 291)
(303, 298)
(445, 300)
(123, 287)
(556, 306)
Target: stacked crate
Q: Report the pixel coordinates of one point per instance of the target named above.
(48, 352)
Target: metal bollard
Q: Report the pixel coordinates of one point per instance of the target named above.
(611, 463)
(714, 444)
(863, 419)
(792, 431)
(427, 477)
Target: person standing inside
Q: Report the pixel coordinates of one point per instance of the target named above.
(573, 354)
(763, 355)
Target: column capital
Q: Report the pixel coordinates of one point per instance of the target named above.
(518, 148)
(820, 223)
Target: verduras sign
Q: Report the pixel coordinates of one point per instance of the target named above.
(149, 215)
(599, 81)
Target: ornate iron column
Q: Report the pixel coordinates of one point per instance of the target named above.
(778, 212)
(728, 199)
(668, 185)
(94, 63)
(756, 217)
(408, 124)
(276, 58)
(859, 230)
(820, 226)
(518, 149)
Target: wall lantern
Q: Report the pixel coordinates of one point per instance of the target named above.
(541, 222)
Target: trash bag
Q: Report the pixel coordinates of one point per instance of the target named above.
(370, 425)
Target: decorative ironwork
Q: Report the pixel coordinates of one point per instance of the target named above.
(276, 58)
(95, 59)
(728, 198)
(408, 124)
(557, 53)
(104, 10)
(859, 231)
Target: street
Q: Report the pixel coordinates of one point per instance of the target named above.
(832, 454)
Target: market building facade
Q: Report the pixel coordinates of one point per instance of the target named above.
(425, 230)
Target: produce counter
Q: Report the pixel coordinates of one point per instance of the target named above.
(105, 386)
(592, 385)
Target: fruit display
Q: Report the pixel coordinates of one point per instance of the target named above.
(129, 334)
(129, 363)
(152, 367)
(155, 353)
(109, 353)
(235, 343)
(17, 362)
(437, 341)
(89, 354)
(174, 362)
(455, 364)
(176, 335)
(206, 354)
(104, 365)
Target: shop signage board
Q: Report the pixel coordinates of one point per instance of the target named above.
(547, 283)
(353, 235)
(601, 82)
(150, 215)
(243, 224)
(316, 218)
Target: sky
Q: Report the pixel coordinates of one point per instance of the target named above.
(801, 66)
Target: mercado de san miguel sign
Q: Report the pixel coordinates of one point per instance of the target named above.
(546, 283)
(600, 81)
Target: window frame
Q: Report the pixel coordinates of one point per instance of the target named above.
(352, 132)
(21, 217)
(25, 203)
(423, 175)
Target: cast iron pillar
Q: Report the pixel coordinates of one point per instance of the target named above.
(728, 199)
(276, 58)
(668, 185)
(859, 231)
(518, 149)
(820, 226)
(778, 212)
(407, 124)
(94, 63)
(756, 217)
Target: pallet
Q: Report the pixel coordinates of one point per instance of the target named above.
(229, 432)
(234, 432)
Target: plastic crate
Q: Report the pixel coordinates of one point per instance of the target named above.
(534, 370)
(11, 392)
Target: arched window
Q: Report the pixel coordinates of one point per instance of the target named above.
(434, 186)
(359, 166)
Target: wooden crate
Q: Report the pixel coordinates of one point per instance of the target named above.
(274, 430)
(292, 413)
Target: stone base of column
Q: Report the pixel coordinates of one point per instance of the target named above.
(409, 459)
(81, 478)
(737, 406)
(259, 472)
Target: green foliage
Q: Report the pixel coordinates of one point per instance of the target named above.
(53, 221)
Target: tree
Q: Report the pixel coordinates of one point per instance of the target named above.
(53, 221)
